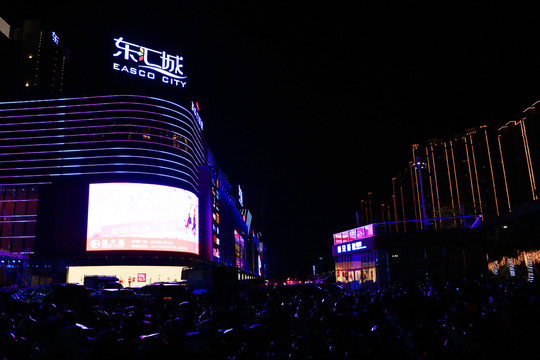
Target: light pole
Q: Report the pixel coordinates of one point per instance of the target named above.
(419, 165)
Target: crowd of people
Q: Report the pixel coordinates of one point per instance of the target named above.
(478, 319)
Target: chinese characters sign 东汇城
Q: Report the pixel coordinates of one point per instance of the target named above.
(144, 62)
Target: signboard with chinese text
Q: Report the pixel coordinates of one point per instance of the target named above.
(354, 234)
(144, 62)
(239, 249)
(353, 246)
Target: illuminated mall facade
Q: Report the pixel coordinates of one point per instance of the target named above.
(117, 184)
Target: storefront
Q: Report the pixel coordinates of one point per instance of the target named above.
(355, 257)
(370, 255)
(357, 269)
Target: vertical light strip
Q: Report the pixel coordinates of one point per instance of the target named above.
(476, 173)
(394, 200)
(414, 192)
(418, 195)
(430, 185)
(504, 173)
(403, 207)
(470, 173)
(389, 217)
(492, 176)
(456, 179)
(528, 158)
(450, 181)
(436, 181)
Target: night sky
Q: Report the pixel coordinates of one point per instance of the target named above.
(310, 106)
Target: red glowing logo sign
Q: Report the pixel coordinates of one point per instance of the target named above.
(354, 234)
(141, 277)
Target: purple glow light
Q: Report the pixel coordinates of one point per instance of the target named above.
(194, 122)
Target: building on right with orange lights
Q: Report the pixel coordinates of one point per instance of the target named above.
(486, 176)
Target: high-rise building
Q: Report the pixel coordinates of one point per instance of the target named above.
(34, 61)
(484, 175)
(480, 172)
(519, 151)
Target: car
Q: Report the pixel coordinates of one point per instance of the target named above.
(117, 297)
(24, 294)
(102, 282)
(333, 288)
(163, 292)
(62, 295)
(8, 296)
(306, 290)
(112, 286)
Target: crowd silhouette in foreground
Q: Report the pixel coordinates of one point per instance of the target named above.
(479, 319)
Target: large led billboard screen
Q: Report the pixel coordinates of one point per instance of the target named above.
(239, 249)
(142, 217)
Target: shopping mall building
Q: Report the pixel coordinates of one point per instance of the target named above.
(120, 183)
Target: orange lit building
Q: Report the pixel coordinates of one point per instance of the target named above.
(486, 172)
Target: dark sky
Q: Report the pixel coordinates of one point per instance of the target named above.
(310, 106)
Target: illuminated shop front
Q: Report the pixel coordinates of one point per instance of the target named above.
(128, 275)
(355, 257)
(376, 255)
(521, 265)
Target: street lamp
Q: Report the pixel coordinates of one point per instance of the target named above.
(419, 165)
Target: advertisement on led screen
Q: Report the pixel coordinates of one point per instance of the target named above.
(238, 249)
(142, 217)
